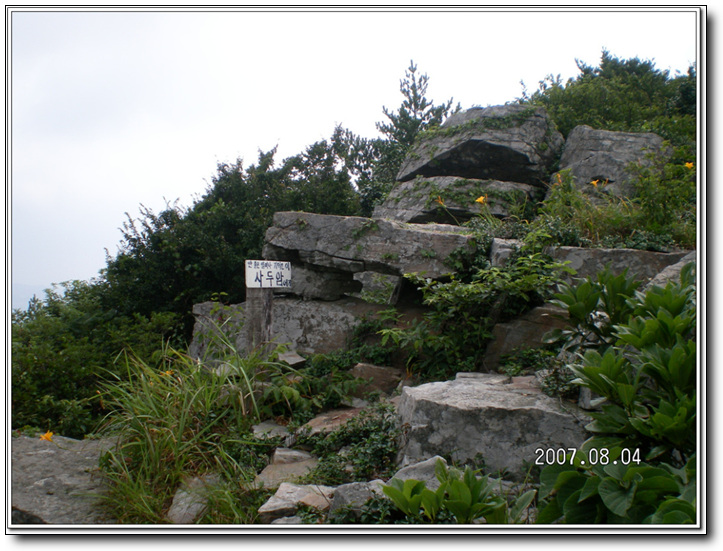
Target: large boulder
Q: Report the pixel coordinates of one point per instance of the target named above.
(306, 326)
(513, 143)
(604, 156)
(644, 265)
(485, 416)
(420, 200)
(58, 481)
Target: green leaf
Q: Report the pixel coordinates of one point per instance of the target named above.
(549, 513)
(520, 505)
(579, 512)
(615, 497)
(590, 488)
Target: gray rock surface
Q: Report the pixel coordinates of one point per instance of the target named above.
(416, 200)
(423, 470)
(288, 497)
(57, 482)
(525, 331)
(513, 143)
(191, 499)
(479, 416)
(286, 465)
(305, 326)
(351, 244)
(604, 155)
(645, 265)
(672, 272)
(379, 378)
(353, 496)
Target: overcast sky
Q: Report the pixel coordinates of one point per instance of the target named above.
(111, 110)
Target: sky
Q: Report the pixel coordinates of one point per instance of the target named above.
(110, 110)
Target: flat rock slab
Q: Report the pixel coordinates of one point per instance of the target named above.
(275, 474)
(58, 481)
(352, 244)
(484, 416)
(644, 265)
(331, 420)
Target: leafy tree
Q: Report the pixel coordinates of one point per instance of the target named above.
(622, 95)
(320, 178)
(170, 261)
(417, 113)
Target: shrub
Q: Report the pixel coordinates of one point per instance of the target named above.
(462, 497)
(639, 465)
(364, 448)
(453, 336)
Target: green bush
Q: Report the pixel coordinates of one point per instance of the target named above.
(462, 497)
(363, 448)
(64, 347)
(639, 465)
(454, 335)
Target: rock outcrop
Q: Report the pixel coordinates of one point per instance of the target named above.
(307, 327)
(604, 156)
(350, 244)
(512, 143)
(644, 265)
(452, 200)
(57, 482)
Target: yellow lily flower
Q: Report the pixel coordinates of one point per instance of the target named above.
(481, 200)
(48, 436)
(689, 165)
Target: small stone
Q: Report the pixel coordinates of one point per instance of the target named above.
(190, 501)
(423, 470)
(331, 420)
(288, 496)
(268, 428)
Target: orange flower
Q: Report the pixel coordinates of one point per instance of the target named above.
(439, 200)
(689, 165)
(481, 200)
(594, 183)
(47, 436)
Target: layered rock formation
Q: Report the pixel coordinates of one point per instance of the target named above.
(513, 143)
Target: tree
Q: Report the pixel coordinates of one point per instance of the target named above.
(415, 115)
(622, 95)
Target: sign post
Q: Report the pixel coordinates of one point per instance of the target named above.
(262, 277)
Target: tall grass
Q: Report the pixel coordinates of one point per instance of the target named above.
(179, 420)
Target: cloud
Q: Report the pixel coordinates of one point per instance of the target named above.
(111, 109)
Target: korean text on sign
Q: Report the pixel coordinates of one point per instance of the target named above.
(268, 274)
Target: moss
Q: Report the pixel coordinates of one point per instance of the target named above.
(484, 123)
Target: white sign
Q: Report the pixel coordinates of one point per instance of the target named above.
(268, 274)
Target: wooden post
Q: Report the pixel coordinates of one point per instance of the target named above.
(262, 277)
(259, 320)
